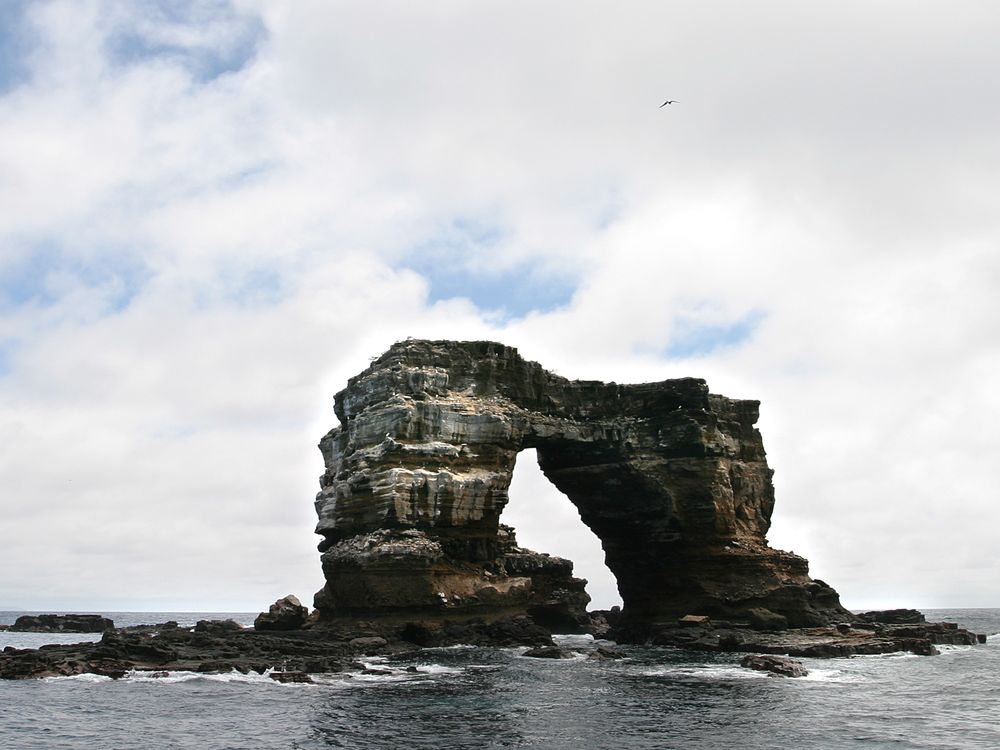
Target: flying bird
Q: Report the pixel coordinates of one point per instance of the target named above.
(668, 101)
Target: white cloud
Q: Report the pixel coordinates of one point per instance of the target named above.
(204, 238)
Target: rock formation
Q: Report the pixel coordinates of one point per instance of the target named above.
(62, 624)
(779, 665)
(219, 646)
(285, 614)
(671, 478)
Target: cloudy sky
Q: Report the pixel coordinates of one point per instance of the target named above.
(213, 213)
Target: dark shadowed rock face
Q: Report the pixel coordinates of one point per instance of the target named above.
(671, 478)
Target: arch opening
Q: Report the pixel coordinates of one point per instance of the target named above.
(547, 521)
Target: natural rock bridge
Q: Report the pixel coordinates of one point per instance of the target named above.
(671, 478)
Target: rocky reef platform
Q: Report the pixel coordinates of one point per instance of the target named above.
(326, 647)
(822, 642)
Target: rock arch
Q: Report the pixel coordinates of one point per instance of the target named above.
(672, 479)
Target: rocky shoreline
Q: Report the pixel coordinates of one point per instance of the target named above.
(215, 646)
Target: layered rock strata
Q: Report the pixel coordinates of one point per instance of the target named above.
(672, 478)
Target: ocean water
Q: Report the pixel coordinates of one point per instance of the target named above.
(463, 697)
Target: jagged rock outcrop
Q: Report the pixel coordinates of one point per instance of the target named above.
(285, 614)
(672, 479)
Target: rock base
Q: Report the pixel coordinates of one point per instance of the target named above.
(824, 642)
(215, 646)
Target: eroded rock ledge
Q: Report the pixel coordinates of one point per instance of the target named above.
(672, 478)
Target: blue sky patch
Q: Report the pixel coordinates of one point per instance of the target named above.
(204, 63)
(129, 45)
(6, 347)
(13, 44)
(43, 275)
(515, 292)
(693, 339)
(455, 264)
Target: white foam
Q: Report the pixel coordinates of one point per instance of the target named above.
(361, 677)
(946, 648)
(830, 675)
(435, 669)
(707, 673)
(890, 655)
(86, 677)
(231, 676)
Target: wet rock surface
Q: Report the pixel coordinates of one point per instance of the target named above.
(672, 478)
(778, 665)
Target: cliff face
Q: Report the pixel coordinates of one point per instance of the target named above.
(672, 479)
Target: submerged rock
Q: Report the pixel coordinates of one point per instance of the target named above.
(603, 652)
(672, 478)
(778, 665)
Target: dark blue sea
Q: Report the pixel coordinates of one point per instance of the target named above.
(465, 697)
